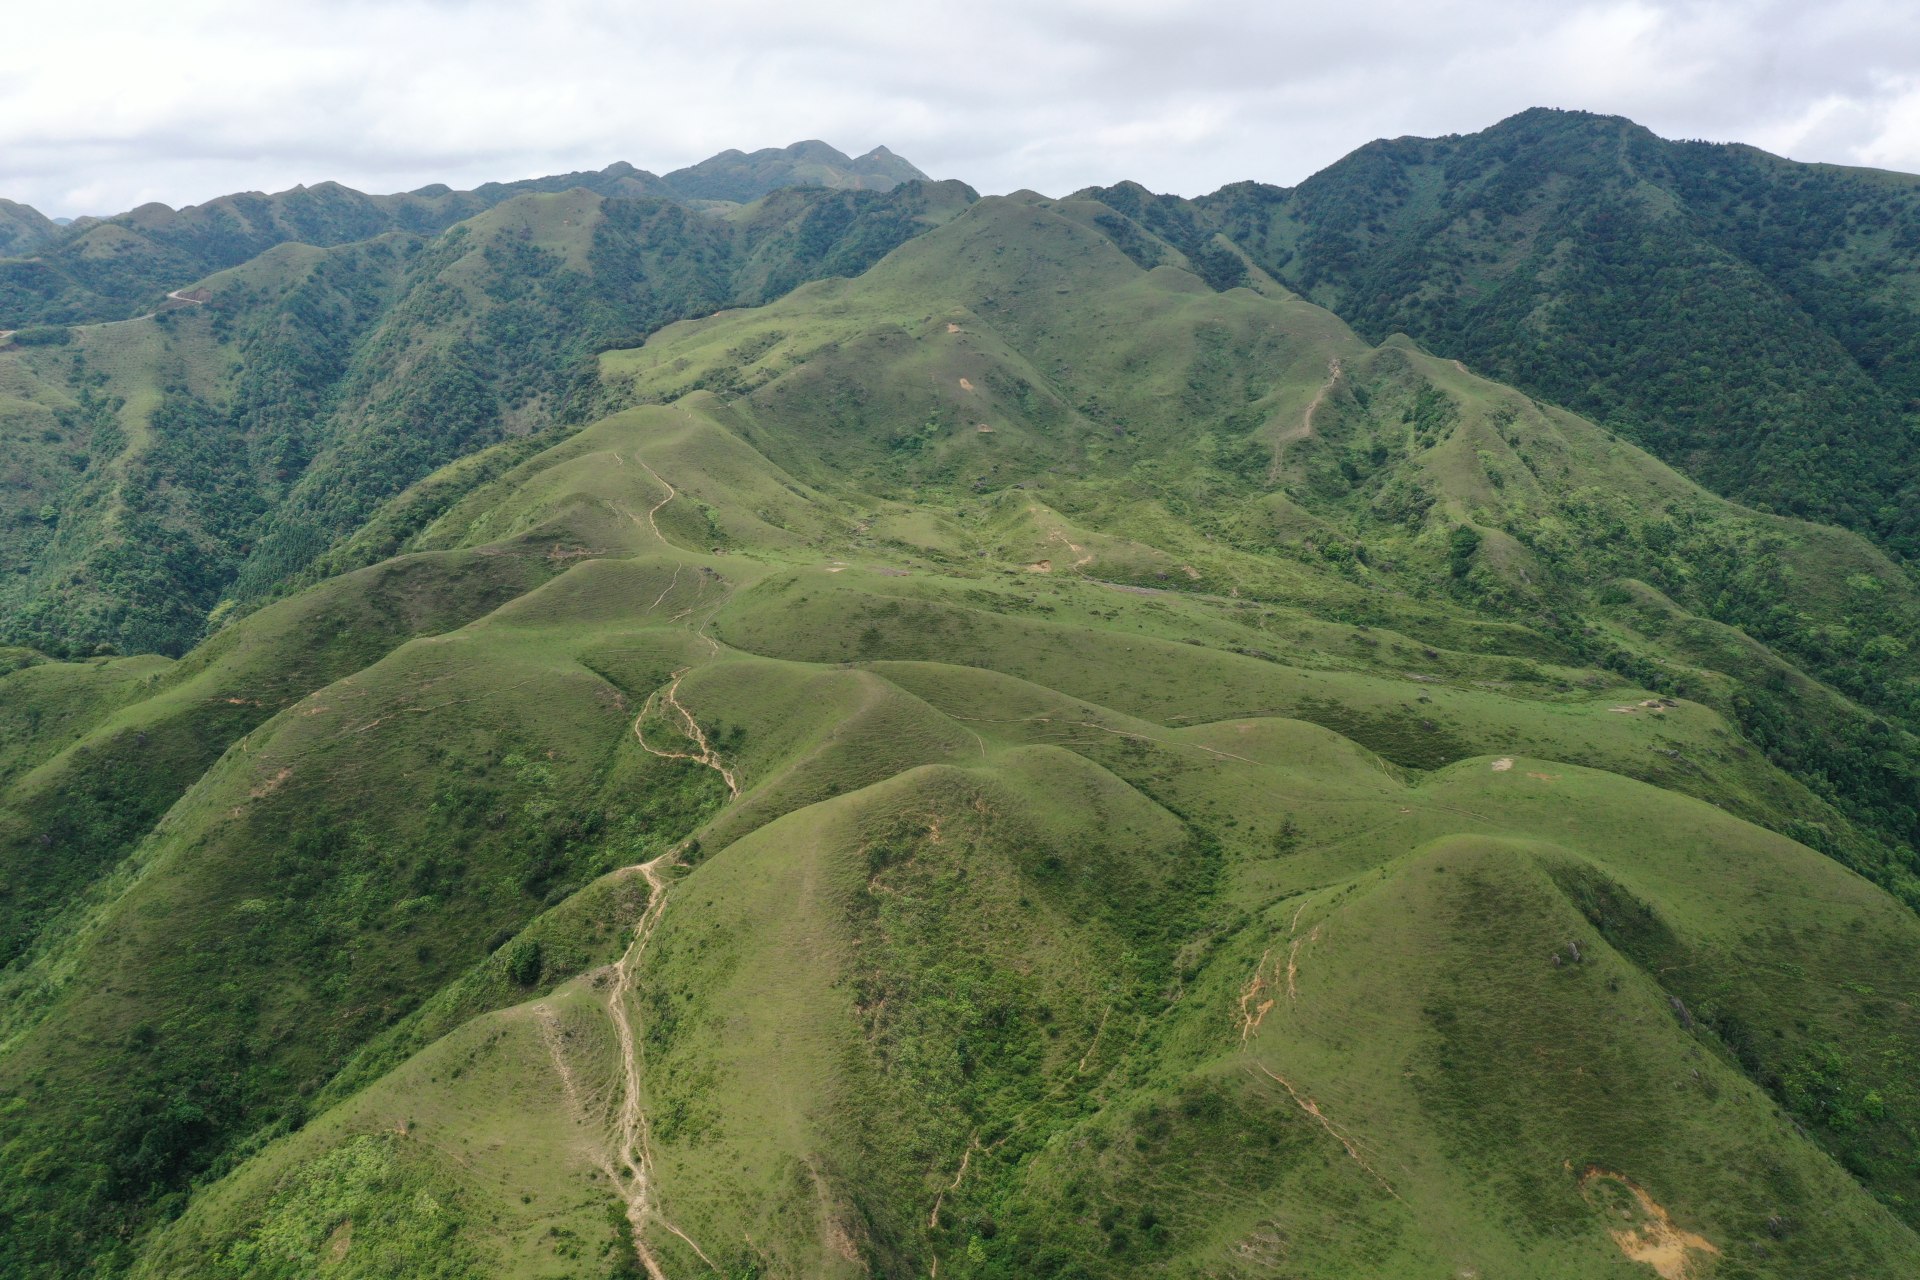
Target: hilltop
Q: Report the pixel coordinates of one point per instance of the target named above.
(23, 229)
(739, 177)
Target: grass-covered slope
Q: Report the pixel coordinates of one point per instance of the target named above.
(1016, 764)
(1248, 444)
(163, 466)
(23, 229)
(1749, 319)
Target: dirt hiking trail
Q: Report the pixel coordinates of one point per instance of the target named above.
(1305, 428)
(632, 1152)
(703, 752)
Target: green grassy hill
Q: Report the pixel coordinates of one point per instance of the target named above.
(23, 229)
(1749, 319)
(1019, 763)
(165, 468)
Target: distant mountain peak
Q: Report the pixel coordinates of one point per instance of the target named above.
(745, 176)
(814, 148)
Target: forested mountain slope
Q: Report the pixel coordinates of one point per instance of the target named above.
(162, 465)
(1752, 320)
(1023, 762)
(114, 268)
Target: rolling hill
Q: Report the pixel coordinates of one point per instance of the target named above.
(1037, 752)
(741, 178)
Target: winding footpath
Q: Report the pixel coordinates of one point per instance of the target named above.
(632, 1144)
(703, 752)
(1305, 428)
(631, 1165)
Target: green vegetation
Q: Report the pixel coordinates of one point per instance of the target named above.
(1748, 319)
(174, 467)
(23, 229)
(1033, 751)
(742, 178)
(119, 267)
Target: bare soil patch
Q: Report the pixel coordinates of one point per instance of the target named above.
(1652, 1238)
(1253, 1007)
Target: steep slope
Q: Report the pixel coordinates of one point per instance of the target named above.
(210, 451)
(1749, 319)
(1015, 764)
(23, 229)
(114, 268)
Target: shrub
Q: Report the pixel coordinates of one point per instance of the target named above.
(524, 963)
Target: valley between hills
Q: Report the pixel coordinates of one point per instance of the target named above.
(835, 726)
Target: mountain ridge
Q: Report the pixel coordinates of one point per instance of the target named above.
(212, 450)
(155, 247)
(1752, 319)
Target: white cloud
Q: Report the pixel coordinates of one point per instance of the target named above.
(108, 104)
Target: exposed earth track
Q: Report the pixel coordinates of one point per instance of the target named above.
(672, 493)
(1305, 428)
(1339, 1135)
(632, 1152)
(703, 752)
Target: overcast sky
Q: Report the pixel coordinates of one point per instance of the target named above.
(110, 103)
